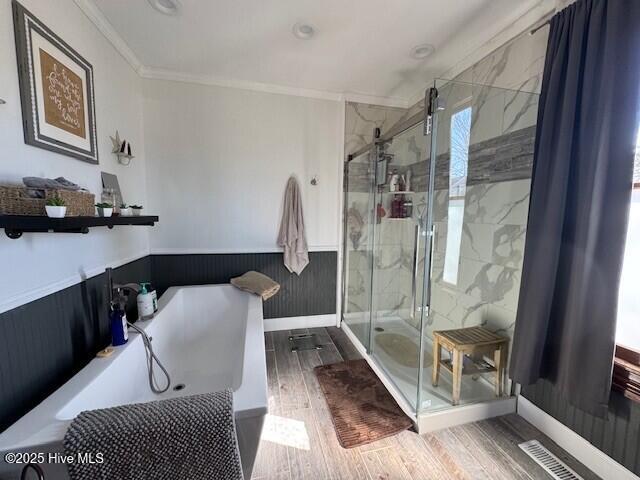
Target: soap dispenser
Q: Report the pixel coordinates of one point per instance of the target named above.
(145, 303)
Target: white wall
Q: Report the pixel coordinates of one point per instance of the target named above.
(38, 264)
(219, 160)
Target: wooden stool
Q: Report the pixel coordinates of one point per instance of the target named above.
(464, 342)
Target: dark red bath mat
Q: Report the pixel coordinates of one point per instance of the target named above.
(361, 408)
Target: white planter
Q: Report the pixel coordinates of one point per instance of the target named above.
(105, 212)
(136, 212)
(125, 212)
(55, 212)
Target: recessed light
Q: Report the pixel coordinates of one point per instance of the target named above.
(303, 31)
(422, 51)
(168, 7)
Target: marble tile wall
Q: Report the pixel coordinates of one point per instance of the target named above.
(502, 158)
(360, 121)
(396, 238)
(490, 261)
(516, 66)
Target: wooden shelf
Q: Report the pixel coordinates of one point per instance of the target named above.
(469, 367)
(15, 225)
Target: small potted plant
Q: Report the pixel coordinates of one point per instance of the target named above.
(136, 210)
(55, 207)
(104, 209)
(125, 211)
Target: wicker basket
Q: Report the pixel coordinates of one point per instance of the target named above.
(14, 200)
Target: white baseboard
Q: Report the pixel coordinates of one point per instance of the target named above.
(461, 414)
(289, 323)
(591, 457)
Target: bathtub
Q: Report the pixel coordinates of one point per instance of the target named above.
(208, 337)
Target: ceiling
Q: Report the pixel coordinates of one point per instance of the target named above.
(360, 46)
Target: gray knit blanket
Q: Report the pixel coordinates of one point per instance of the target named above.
(186, 438)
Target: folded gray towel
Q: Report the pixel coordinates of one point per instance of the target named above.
(186, 438)
(60, 183)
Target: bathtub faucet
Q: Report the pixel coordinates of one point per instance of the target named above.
(116, 287)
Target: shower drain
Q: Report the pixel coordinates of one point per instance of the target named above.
(178, 387)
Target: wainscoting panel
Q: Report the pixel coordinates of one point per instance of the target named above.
(45, 342)
(311, 293)
(618, 436)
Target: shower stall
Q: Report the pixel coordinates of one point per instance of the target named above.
(435, 214)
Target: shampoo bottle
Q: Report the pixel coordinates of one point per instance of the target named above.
(145, 303)
(394, 181)
(119, 335)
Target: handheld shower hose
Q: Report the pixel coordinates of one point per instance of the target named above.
(151, 358)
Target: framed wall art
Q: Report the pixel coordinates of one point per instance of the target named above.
(56, 90)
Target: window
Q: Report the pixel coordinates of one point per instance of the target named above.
(458, 164)
(636, 165)
(626, 371)
(628, 327)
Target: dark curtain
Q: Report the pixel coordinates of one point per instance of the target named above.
(580, 194)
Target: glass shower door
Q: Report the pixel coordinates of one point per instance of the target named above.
(358, 242)
(482, 150)
(400, 197)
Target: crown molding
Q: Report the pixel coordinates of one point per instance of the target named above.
(213, 80)
(511, 29)
(93, 13)
(396, 102)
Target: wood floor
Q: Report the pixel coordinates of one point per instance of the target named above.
(298, 440)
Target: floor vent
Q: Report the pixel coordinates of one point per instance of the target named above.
(299, 343)
(548, 461)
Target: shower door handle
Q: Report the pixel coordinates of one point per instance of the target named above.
(414, 282)
(432, 247)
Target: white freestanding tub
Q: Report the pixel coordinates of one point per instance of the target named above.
(208, 337)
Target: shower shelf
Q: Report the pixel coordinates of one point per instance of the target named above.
(398, 193)
(15, 225)
(469, 367)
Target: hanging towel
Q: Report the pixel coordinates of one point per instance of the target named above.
(186, 438)
(292, 236)
(258, 283)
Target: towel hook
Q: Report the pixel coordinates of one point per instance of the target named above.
(2, 102)
(314, 180)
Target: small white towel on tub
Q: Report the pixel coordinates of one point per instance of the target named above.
(292, 236)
